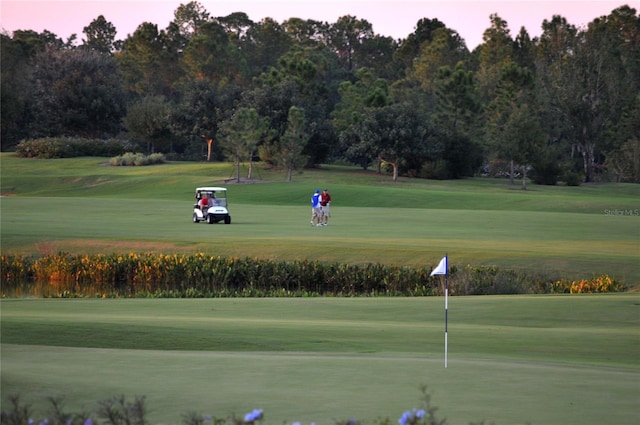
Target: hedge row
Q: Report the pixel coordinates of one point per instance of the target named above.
(71, 147)
(199, 275)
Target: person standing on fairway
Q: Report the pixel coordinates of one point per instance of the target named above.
(316, 209)
(325, 201)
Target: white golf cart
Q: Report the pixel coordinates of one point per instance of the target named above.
(211, 205)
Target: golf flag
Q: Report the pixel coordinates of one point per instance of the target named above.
(442, 267)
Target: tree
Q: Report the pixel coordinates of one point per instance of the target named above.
(356, 98)
(197, 114)
(147, 120)
(16, 87)
(514, 88)
(76, 92)
(495, 51)
(396, 133)
(457, 116)
(445, 48)
(347, 37)
(100, 36)
(293, 142)
(210, 55)
(528, 139)
(147, 61)
(264, 44)
(240, 135)
(409, 48)
(189, 18)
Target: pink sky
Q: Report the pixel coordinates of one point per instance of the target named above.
(395, 18)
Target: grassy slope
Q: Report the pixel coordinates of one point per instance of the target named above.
(90, 207)
(540, 360)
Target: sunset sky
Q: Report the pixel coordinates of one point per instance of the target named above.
(395, 18)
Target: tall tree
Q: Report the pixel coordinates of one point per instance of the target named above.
(147, 121)
(409, 48)
(190, 17)
(145, 60)
(457, 115)
(495, 51)
(100, 36)
(396, 132)
(264, 44)
(77, 92)
(356, 98)
(347, 36)
(240, 136)
(513, 126)
(589, 91)
(445, 49)
(293, 142)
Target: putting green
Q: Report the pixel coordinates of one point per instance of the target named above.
(512, 359)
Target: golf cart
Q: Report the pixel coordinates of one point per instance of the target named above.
(211, 205)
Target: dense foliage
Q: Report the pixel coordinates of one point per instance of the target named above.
(199, 275)
(559, 107)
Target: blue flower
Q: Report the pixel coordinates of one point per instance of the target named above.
(88, 422)
(253, 416)
(410, 417)
(404, 419)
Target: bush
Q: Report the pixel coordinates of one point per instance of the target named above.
(572, 178)
(137, 159)
(69, 147)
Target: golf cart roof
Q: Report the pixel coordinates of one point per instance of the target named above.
(211, 189)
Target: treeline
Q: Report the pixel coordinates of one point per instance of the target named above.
(204, 276)
(302, 92)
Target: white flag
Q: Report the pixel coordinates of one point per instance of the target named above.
(442, 267)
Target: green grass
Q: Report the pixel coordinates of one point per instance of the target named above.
(512, 359)
(83, 206)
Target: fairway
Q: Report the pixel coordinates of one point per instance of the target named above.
(512, 359)
(82, 206)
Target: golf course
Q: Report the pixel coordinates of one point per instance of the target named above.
(564, 359)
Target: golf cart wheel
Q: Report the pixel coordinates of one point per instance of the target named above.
(210, 219)
(227, 220)
(195, 217)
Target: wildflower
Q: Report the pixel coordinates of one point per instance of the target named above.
(88, 422)
(411, 417)
(253, 416)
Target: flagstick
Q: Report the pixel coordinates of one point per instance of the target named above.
(446, 320)
(443, 268)
(446, 310)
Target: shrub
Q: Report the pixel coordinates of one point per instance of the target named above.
(137, 159)
(597, 284)
(69, 147)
